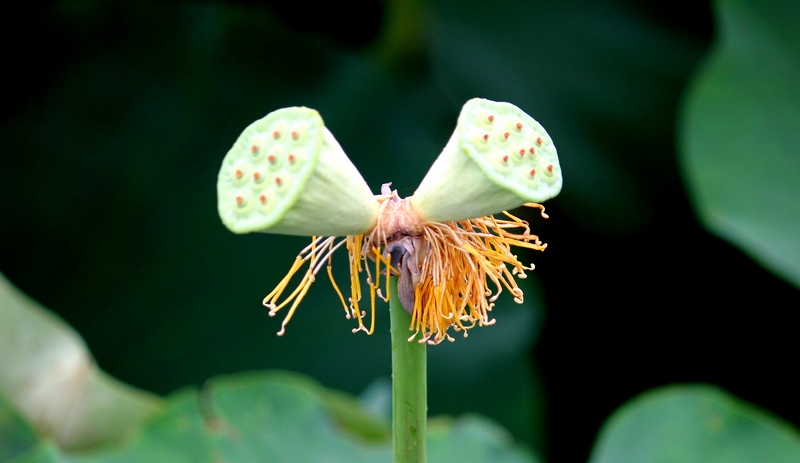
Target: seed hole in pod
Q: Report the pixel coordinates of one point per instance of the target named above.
(254, 149)
(533, 172)
(276, 135)
(257, 177)
(522, 152)
(549, 167)
(506, 135)
(519, 125)
(292, 159)
(505, 158)
(295, 135)
(486, 137)
(240, 201)
(262, 199)
(491, 118)
(271, 158)
(532, 150)
(239, 174)
(278, 181)
(539, 141)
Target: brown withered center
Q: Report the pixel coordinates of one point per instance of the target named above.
(398, 219)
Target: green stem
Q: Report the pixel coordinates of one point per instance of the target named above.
(409, 386)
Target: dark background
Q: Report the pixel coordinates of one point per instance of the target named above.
(116, 119)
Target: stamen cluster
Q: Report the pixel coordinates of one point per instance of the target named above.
(450, 273)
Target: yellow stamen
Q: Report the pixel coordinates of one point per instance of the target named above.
(338, 291)
(464, 268)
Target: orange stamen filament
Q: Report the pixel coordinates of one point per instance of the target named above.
(465, 266)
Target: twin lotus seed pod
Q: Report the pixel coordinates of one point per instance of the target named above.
(287, 174)
(497, 159)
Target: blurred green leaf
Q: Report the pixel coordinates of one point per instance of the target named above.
(472, 439)
(16, 435)
(48, 374)
(740, 144)
(694, 423)
(280, 416)
(178, 435)
(357, 419)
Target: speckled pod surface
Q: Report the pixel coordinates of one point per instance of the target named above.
(287, 174)
(498, 158)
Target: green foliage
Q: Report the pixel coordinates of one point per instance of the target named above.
(279, 417)
(472, 438)
(694, 424)
(15, 434)
(740, 144)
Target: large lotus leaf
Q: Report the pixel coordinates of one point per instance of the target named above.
(694, 424)
(283, 417)
(740, 144)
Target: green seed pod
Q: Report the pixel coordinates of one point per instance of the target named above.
(287, 174)
(497, 159)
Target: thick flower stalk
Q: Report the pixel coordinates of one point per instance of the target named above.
(453, 258)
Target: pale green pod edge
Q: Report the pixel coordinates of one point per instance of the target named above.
(497, 159)
(287, 174)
